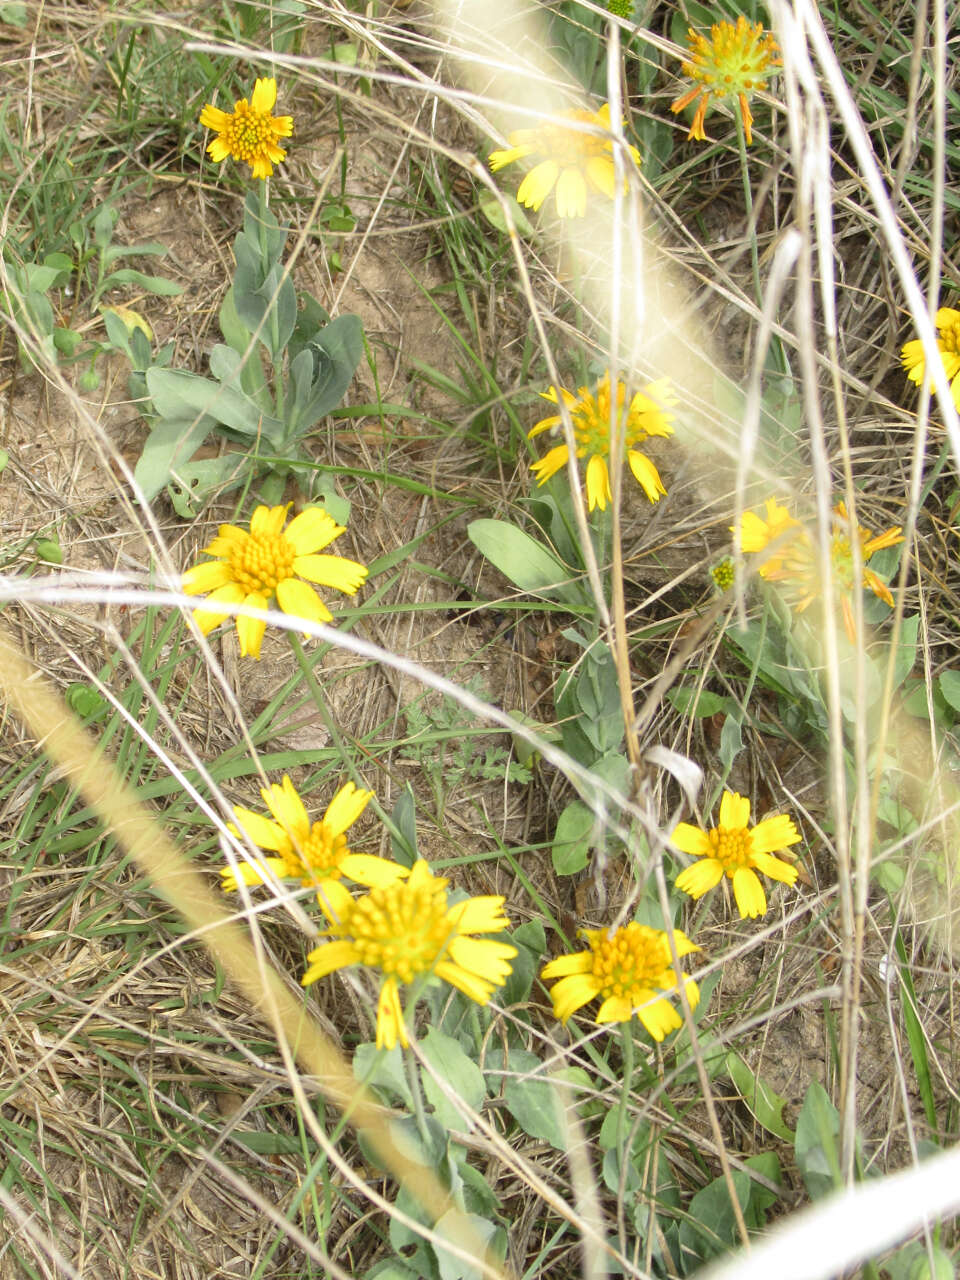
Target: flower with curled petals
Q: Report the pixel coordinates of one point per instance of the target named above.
(738, 852)
(646, 416)
(270, 562)
(735, 62)
(249, 133)
(408, 931)
(914, 360)
(573, 160)
(628, 969)
(315, 853)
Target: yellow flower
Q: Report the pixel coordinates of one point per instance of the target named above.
(734, 850)
(590, 411)
(574, 161)
(408, 931)
(253, 568)
(250, 132)
(734, 63)
(315, 853)
(627, 969)
(915, 362)
(795, 561)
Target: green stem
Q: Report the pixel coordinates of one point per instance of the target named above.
(276, 355)
(416, 1092)
(623, 1113)
(748, 202)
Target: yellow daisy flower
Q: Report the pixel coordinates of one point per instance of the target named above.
(408, 931)
(627, 969)
(249, 133)
(915, 362)
(734, 63)
(796, 562)
(590, 411)
(738, 852)
(256, 567)
(315, 853)
(574, 161)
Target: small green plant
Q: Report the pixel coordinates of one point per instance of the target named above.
(283, 366)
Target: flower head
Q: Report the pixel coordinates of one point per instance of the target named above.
(915, 362)
(627, 968)
(574, 160)
(315, 853)
(249, 133)
(268, 562)
(738, 852)
(590, 411)
(407, 930)
(793, 557)
(723, 574)
(734, 63)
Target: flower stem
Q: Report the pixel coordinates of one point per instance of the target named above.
(276, 355)
(416, 1092)
(748, 202)
(623, 1113)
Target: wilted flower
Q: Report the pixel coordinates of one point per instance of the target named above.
(590, 412)
(628, 969)
(734, 63)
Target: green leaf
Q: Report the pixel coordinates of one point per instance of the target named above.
(335, 353)
(711, 1228)
(67, 341)
(14, 14)
(537, 1103)
(153, 284)
(460, 1072)
(731, 741)
(573, 839)
(171, 441)
(453, 1267)
(527, 563)
(235, 332)
(49, 550)
(912, 1263)
(492, 209)
(906, 650)
(690, 702)
(818, 1127)
(403, 841)
(177, 394)
(949, 682)
(103, 225)
(383, 1070)
(86, 701)
(598, 696)
(764, 1104)
(199, 480)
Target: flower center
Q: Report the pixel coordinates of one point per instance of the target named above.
(570, 147)
(732, 847)
(630, 962)
(260, 562)
(401, 929)
(591, 421)
(949, 335)
(319, 857)
(723, 574)
(736, 59)
(247, 132)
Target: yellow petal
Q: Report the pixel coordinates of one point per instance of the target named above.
(484, 958)
(334, 900)
(683, 944)
(690, 839)
(646, 474)
(538, 184)
(390, 1024)
(598, 483)
(260, 830)
(212, 117)
(509, 155)
(332, 571)
(250, 631)
(774, 833)
(267, 522)
(734, 811)
(471, 984)
(345, 808)
(775, 868)
(288, 809)
(299, 600)
(312, 530)
(328, 958)
(369, 870)
(571, 194)
(264, 96)
(748, 891)
(252, 873)
(550, 463)
(572, 993)
(603, 175)
(615, 1009)
(700, 877)
(659, 1018)
(483, 914)
(563, 966)
(207, 577)
(207, 617)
